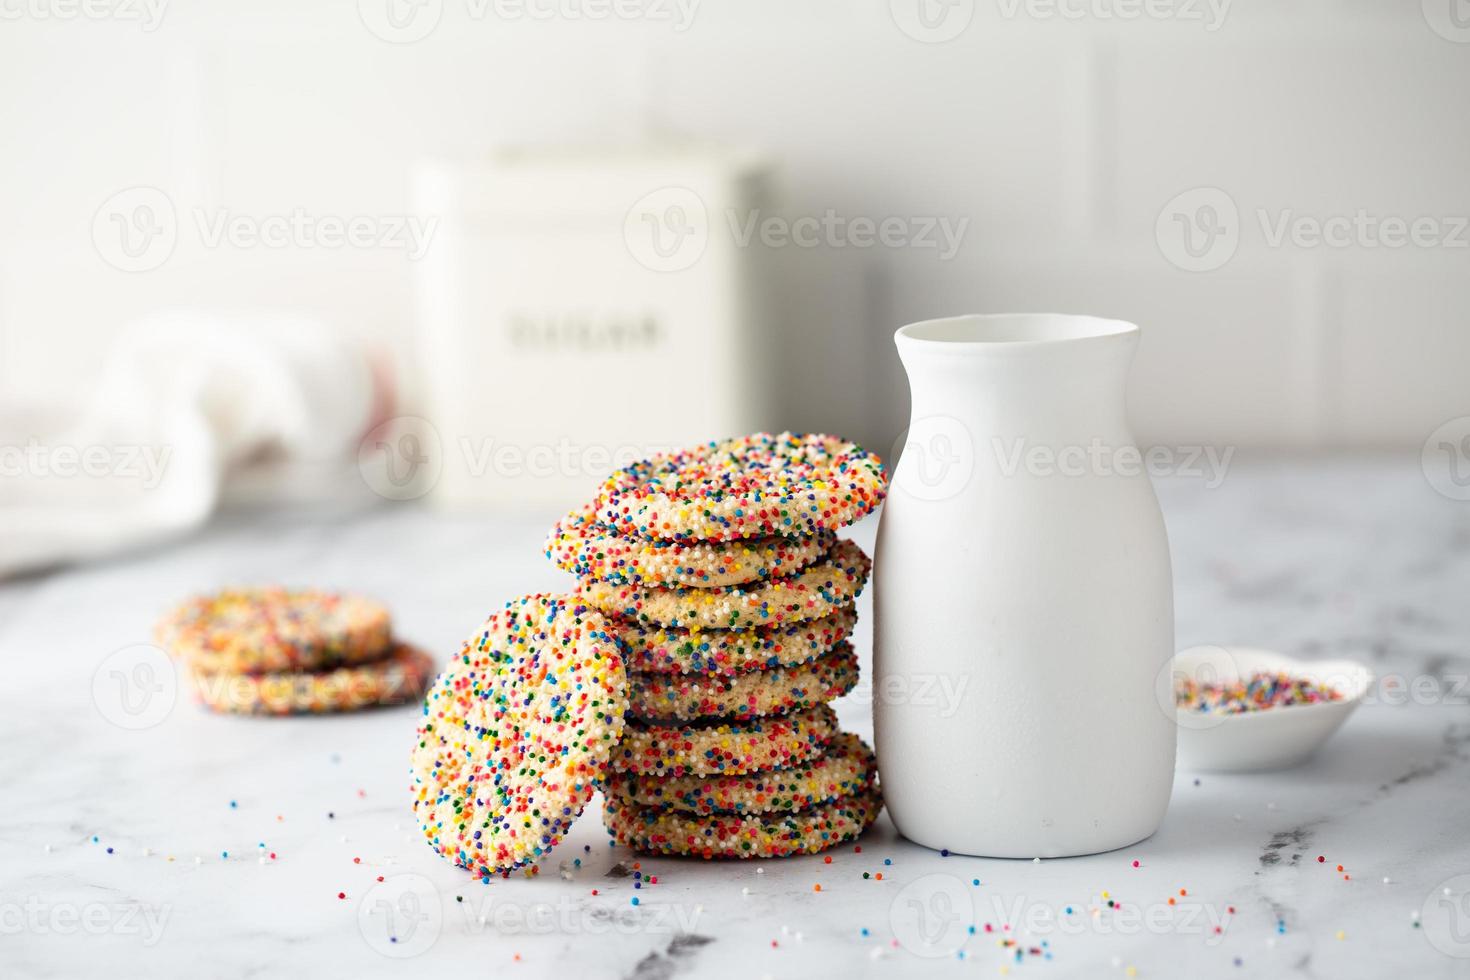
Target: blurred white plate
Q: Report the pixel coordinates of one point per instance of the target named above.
(1271, 739)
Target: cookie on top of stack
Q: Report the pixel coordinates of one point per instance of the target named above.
(280, 651)
(719, 571)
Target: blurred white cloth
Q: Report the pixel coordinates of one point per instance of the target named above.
(186, 402)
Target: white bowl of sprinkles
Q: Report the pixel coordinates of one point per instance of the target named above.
(1241, 709)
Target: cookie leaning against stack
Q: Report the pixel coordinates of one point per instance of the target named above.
(720, 573)
(517, 733)
(279, 651)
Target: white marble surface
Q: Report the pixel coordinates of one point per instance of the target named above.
(1326, 558)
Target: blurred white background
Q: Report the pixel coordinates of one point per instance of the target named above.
(1058, 136)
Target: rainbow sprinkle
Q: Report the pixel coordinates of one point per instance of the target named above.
(1261, 692)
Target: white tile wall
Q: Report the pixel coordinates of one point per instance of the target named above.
(1059, 139)
(1402, 343)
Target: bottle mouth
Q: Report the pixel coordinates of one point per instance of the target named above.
(1010, 330)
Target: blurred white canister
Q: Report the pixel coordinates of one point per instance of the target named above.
(581, 309)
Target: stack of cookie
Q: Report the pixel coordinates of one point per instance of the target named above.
(278, 651)
(718, 570)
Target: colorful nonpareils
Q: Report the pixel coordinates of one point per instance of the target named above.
(517, 732)
(688, 677)
(754, 486)
(719, 568)
(1261, 692)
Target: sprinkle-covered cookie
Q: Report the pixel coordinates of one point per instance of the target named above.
(275, 630)
(759, 835)
(666, 698)
(517, 733)
(753, 486)
(587, 548)
(668, 649)
(399, 678)
(812, 593)
(725, 747)
(847, 767)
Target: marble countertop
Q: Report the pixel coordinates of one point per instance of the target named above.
(223, 846)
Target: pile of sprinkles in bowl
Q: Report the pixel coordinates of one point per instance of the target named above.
(1261, 691)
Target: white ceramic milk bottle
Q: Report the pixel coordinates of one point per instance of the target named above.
(1023, 596)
